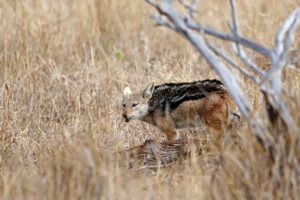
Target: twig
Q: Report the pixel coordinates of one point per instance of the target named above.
(242, 56)
(239, 50)
(230, 37)
(191, 7)
(162, 22)
(234, 18)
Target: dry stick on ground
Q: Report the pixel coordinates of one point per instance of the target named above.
(270, 81)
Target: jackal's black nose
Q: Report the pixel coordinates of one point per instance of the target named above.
(124, 115)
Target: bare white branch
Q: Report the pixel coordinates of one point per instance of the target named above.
(153, 3)
(234, 17)
(230, 37)
(242, 55)
(238, 49)
(160, 21)
(229, 61)
(191, 7)
(287, 28)
(284, 38)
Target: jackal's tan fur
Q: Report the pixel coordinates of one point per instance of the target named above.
(174, 106)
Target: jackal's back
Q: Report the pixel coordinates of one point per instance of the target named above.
(169, 96)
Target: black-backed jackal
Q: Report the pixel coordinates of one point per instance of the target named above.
(173, 106)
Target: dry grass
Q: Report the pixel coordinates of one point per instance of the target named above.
(63, 66)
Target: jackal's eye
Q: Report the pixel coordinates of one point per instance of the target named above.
(134, 104)
(123, 105)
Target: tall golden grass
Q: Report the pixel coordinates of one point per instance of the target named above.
(63, 66)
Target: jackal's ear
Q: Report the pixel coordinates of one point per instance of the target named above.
(147, 93)
(127, 91)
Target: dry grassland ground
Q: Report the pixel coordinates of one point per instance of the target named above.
(63, 66)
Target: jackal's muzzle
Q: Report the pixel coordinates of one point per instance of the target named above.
(126, 117)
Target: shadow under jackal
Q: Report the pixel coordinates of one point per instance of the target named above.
(173, 106)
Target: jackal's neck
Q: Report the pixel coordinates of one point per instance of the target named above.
(149, 119)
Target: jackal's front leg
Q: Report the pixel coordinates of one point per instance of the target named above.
(215, 120)
(171, 134)
(166, 124)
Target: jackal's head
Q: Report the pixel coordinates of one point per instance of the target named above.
(135, 105)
